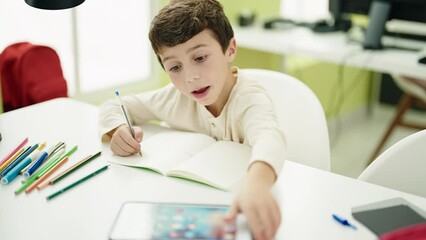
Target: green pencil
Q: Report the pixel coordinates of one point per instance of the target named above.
(77, 182)
(74, 168)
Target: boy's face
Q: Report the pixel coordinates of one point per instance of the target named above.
(199, 69)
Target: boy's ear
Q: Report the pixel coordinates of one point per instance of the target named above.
(232, 50)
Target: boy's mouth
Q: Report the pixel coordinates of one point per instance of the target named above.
(200, 93)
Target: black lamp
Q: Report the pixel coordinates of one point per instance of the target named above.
(54, 4)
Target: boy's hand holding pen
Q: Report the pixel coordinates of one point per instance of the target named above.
(123, 143)
(126, 139)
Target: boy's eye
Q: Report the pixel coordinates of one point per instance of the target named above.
(201, 58)
(174, 68)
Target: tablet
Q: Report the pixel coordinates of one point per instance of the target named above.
(160, 221)
(388, 215)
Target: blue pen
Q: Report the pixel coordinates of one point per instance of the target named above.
(37, 163)
(343, 222)
(40, 160)
(19, 159)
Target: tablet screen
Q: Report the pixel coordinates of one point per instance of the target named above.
(158, 221)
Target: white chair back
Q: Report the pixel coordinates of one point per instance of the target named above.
(411, 87)
(300, 115)
(402, 166)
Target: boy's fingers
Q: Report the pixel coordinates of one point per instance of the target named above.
(118, 150)
(138, 134)
(232, 212)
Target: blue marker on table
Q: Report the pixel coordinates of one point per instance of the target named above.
(343, 222)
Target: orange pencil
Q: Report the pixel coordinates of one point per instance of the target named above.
(47, 174)
(46, 183)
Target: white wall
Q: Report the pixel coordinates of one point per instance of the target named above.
(304, 10)
(102, 44)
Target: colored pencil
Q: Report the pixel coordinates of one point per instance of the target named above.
(91, 175)
(48, 182)
(13, 151)
(36, 175)
(50, 165)
(73, 168)
(11, 164)
(54, 159)
(39, 162)
(46, 175)
(14, 156)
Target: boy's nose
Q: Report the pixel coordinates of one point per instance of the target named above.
(193, 77)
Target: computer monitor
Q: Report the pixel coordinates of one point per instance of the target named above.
(341, 9)
(379, 12)
(409, 10)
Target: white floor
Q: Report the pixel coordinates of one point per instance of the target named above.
(353, 141)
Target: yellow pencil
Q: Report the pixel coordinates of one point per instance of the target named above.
(14, 156)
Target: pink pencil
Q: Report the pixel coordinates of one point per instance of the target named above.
(14, 151)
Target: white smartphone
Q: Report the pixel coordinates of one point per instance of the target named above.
(161, 221)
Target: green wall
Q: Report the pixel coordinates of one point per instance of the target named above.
(337, 96)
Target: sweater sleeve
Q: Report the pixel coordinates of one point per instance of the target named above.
(140, 108)
(262, 131)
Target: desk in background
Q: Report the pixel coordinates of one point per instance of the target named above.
(332, 47)
(307, 196)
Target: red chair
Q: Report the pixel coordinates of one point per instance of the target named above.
(30, 74)
(415, 232)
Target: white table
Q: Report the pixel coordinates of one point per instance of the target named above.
(307, 196)
(331, 47)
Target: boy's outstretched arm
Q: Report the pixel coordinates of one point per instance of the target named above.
(256, 201)
(122, 142)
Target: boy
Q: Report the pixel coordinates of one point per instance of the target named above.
(194, 43)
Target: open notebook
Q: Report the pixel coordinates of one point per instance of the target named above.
(188, 155)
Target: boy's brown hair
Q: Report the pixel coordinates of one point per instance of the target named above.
(181, 20)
